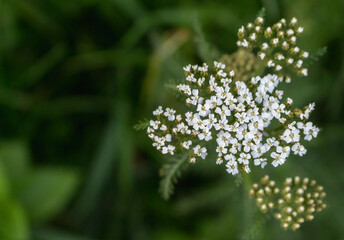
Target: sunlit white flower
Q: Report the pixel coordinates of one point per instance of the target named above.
(169, 149)
(186, 144)
(232, 168)
(200, 151)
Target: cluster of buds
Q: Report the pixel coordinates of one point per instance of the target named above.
(292, 205)
(244, 63)
(276, 45)
(250, 122)
(265, 194)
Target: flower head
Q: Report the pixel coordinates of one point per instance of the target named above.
(237, 116)
(247, 118)
(293, 204)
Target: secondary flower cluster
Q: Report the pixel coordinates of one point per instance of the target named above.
(293, 204)
(244, 63)
(247, 121)
(277, 44)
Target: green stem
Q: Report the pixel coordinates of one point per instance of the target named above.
(247, 206)
(247, 180)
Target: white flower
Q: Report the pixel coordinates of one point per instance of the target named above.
(210, 121)
(260, 161)
(201, 152)
(275, 41)
(223, 138)
(230, 158)
(278, 159)
(192, 160)
(221, 150)
(205, 134)
(304, 72)
(200, 81)
(184, 89)
(283, 151)
(169, 113)
(213, 102)
(219, 160)
(261, 55)
(244, 43)
(169, 149)
(222, 124)
(247, 169)
(305, 54)
(219, 65)
(198, 122)
(187, 68)
(158, 111)
(298, 149)
(291, 135)
(168, 138)
(264, 46)
(203, 110)
(243, 159)
(223, 111)
(236, 146)
(191, 78)
(310, 131)
(272, 142)
(232, 168)
(186, 144)
(154, 124)
(299, 30)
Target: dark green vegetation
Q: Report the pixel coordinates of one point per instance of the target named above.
(76, 76)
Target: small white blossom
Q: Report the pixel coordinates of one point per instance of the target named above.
(232, 168)
(200, 151)
(186, 144)
(298, 149)
(169, 113)
(169, 149)
(158, 111)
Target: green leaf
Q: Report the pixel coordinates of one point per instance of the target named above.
(56, 234)
(4, 188)
(47, 192)
(13, 221)
(206, 50)
(313, 57)
(14, 157)
(261, 13)
(238, 179)
(170, 173)
(141, 125)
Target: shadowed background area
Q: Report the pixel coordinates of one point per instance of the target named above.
(76, 76)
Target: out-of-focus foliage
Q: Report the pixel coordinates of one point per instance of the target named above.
(76, 76)
(29, 194)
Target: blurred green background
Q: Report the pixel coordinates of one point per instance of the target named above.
(76, 76)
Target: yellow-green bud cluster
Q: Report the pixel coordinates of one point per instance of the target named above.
(265, 193)
(276, 44)
(295, 203)
(244, 63)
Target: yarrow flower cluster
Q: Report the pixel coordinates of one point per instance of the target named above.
(295, 203)
(276, 44)
(249, 122)
(239, 113)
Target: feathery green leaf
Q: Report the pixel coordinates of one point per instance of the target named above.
(313, 57)
(170, 173)
(261, 13)
(141, 124)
